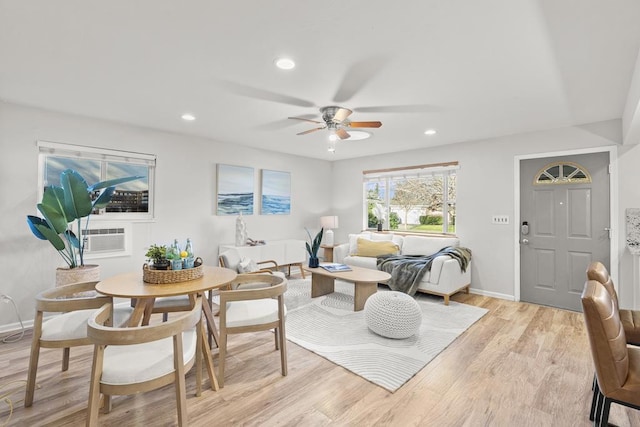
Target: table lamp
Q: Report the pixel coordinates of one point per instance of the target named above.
(328, 223)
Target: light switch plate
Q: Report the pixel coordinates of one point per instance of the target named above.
(500, 219)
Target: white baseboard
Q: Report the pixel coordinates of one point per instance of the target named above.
(15, 327)
(492, 294)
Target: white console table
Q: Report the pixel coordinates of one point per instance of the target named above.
(283, 252)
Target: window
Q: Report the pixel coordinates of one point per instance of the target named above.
(132, 200)
(418, 199)
(562, 173)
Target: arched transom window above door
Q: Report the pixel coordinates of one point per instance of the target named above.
(562, 173)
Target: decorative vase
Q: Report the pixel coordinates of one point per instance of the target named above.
(314, 262)
(241, 231)
(85, 273)
(379, 226)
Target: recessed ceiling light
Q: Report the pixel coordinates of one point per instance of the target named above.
(430, 132)
(188, 117)
(285, 63)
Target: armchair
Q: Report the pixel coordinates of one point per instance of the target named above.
(249, 310)
(617, 364)
(139, 359)
(69, 328)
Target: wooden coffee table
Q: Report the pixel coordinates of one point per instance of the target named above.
(365, 281)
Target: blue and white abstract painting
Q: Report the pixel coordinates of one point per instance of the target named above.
(235, 190)
(276, 193)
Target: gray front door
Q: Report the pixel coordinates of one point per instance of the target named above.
(564, 203)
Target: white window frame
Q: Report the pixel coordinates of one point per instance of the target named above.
(388, 175)
(48, 148)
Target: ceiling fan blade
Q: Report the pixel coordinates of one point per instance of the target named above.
(341, 114)
(365, 124)
(342, 134)
(305, 119)
(310, 130)
(411, 108)
(265, 95)
(358, 75)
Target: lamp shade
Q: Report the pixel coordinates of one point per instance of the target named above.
(329, 222)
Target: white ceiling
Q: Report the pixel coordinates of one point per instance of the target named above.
(470, 69)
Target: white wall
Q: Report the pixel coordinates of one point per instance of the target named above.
(485, 187)
(185, 192)
(186, 189)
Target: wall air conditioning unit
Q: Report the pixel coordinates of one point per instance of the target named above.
(107, 240)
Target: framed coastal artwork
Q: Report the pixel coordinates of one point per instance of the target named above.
(235, 190)
(276, 193)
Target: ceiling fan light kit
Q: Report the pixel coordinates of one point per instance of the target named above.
(336, 120)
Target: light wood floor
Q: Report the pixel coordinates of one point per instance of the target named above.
(521, 364)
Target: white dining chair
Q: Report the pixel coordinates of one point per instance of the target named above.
(251, 310)
(67, 309)
(143, 358)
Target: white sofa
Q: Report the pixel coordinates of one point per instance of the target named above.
(445, 277)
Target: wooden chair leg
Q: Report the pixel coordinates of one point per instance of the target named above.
(222, 355)
(181, 394)
(33, 362)
(276, 333)
(446, 300)
(283, 348)
(65, 359)
(107, 403)
(94, 387)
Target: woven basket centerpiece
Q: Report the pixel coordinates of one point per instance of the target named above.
(172, 276)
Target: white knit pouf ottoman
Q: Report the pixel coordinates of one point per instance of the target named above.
(392, 314)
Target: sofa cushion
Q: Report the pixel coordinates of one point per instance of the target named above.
(361, 261)
(370, 248)
(353, 241)
(418, 245)
(379, 237)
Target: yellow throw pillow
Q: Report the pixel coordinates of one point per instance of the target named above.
(369, 248)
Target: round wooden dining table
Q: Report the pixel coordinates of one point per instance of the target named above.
(131, 285)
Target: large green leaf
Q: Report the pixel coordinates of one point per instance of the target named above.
(51, 236)
(73, 239)
(77, 200)
(54, 216)
(113, 182)
(33, 221)
(104, 198)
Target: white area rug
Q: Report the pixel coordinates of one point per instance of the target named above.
(328, 326)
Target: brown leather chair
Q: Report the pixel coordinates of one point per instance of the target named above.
(617, 365)
(630, 318)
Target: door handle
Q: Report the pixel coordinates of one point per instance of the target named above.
(525, 241)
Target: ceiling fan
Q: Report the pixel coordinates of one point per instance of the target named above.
(336, 120)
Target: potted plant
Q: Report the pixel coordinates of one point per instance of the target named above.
(313, 248)
(63, 210)
(158, 255)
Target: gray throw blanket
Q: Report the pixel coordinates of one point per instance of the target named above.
(408, 270)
